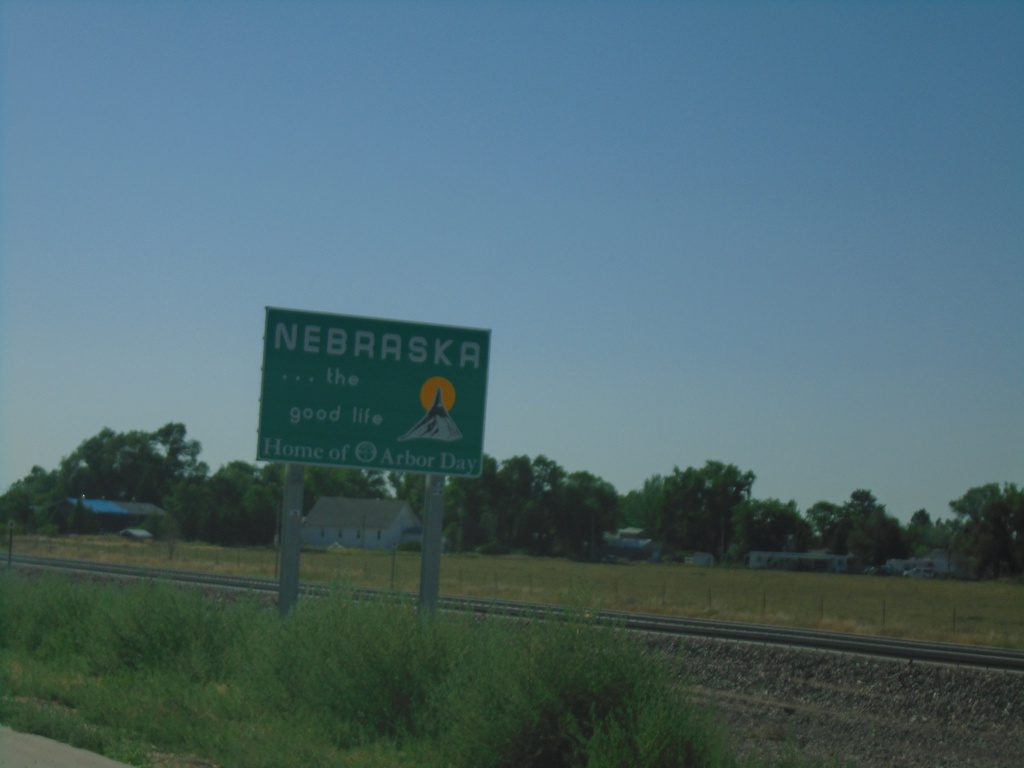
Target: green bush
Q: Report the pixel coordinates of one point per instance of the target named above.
(365, 669)
(340, 681)
(156, 626)
(553, 694)
(493, 548)
(46, 617)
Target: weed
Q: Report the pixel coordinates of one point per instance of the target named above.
(150, 670)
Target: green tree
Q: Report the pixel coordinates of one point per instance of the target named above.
(546, 507)
(180, 455)
(27, 500)
(925, 535)
(191, 505)
(82, 519)
(878, 538)
(862, 505)
(139, 466)
(338, 481)
(831, 526)
(471, 502)
(16, 505)
(642, 508)
(993, 527)
(515, 529)
(589, 510)
(698, 506)
(861, 527)
(244, 509)
(529, 505)
(239, 504)
(770, 525)
(410, 487)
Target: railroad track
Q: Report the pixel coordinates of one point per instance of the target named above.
(887, 647)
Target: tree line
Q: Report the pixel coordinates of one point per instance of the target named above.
(523, 504)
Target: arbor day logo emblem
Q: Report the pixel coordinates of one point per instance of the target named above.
(438, 397)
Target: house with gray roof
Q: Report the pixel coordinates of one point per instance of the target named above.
(361, 523)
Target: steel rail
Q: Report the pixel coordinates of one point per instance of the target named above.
(987, 657)
(958, 654)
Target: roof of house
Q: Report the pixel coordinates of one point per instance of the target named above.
(630, 544)
(141, 508)
(100, 506)
(136, 533)
(105, 507)
(342, 512)
(630, 533)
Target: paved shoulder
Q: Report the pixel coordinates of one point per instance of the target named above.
(25, 750)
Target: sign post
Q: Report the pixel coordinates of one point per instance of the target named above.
(373, 394)
(291, 537)
(430, 557)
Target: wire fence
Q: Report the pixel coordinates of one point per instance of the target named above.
(980, 612)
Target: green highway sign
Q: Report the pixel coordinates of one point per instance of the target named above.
(372, 394)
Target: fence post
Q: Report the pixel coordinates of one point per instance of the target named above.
(394, 556)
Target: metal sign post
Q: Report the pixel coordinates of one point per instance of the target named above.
(430, 557)
(291, 537)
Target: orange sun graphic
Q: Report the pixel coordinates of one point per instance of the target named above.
(429, 390)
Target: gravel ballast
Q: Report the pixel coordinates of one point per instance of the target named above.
(854, 710)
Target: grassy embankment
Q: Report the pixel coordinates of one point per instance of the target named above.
(157, 676)
(987, 613)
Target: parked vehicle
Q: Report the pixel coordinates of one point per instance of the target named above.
(921, 572)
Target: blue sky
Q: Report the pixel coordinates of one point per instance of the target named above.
(788, 236)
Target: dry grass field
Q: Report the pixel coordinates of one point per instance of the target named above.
(987, 613)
